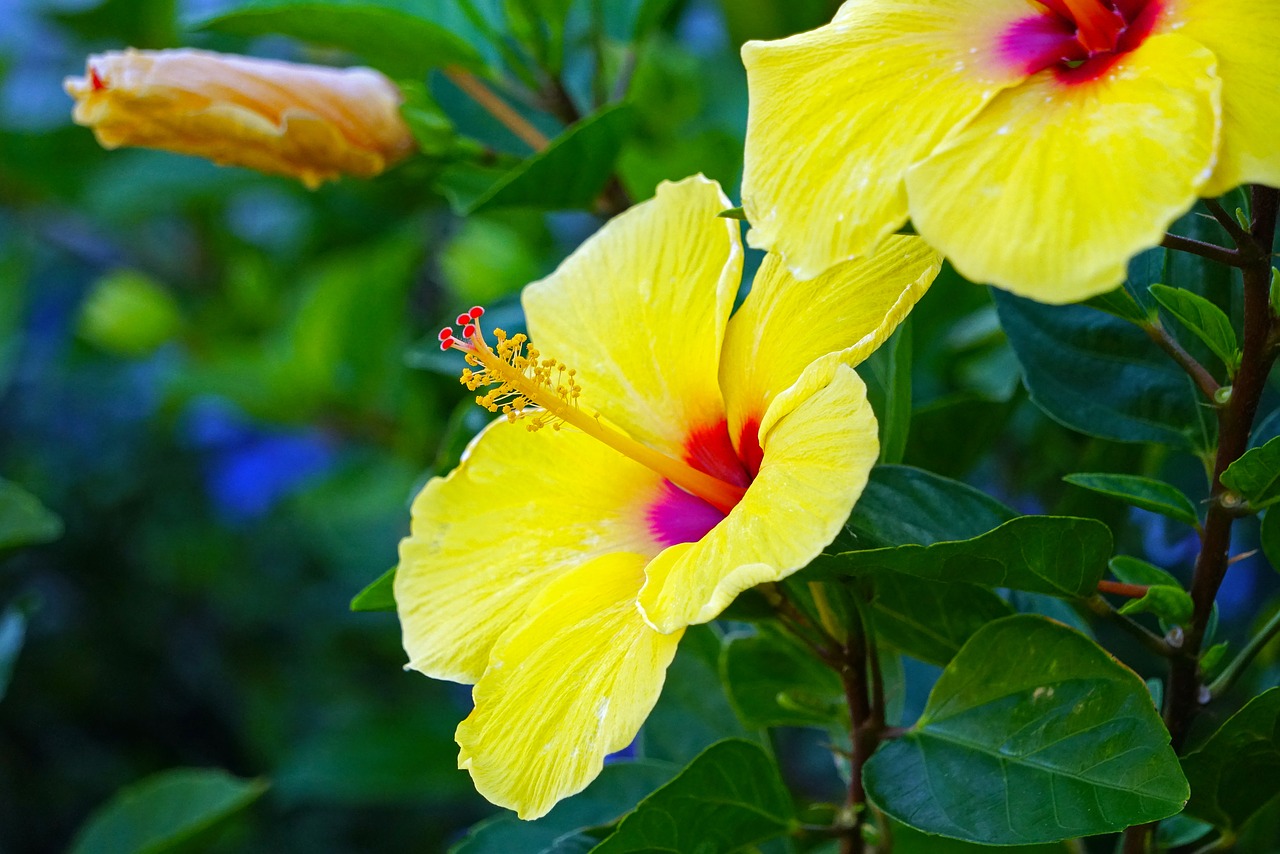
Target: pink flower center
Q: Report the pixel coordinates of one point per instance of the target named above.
(680, 517)
(1078, 39)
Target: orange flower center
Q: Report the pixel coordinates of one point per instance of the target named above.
(544, 392)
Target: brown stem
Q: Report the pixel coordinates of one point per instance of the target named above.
(1230, 225)
(1199, 373)
(475, 89)
(1235, 421)
(1212, 251)
(1129, 591)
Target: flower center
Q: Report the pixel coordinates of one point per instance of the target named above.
(1078, 38)
(544, 392)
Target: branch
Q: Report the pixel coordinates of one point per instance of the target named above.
(1199, 374)
(475, 89)
(1213, 252)
(1241, 662)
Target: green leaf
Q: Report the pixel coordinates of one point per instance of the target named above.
(1061, 556)
(1256, 475)
(1147, 493)
(24, 521)
(892, 366)
(1120, 303)
(931, 620)
(1203, 319)
(432, 129)
(1169, 602)
(1237, 770)
(400, 37)
(569, 174)
(378, 595)
(908, 840)
(164, 810)
(774, 680)
(617, 790)
(733, 213)
(1269, 534)
(731, 796)
(902, 505)
(129, 314)
(1100, 375)
(1132, 570)
(1032, 734)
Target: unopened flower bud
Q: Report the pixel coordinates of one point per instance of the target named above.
(306, 121)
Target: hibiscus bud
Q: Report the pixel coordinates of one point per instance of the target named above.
(306, 121)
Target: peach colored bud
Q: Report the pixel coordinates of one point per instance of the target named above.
(307, 121)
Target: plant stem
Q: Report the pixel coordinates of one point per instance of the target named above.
(1199, 374)
(1241, 662)
(1148, 639)
(1235, 421)
(475, 89)
(1212, 251)
(853, 673)
(1118, 588)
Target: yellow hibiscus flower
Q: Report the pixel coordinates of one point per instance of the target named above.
(683, 458)
(1038, 145)
(309, 122)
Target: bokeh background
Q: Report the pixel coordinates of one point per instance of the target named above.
(227, 389)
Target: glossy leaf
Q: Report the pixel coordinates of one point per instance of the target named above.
(1256, 475)
(399, 37)
(24, 521)
(931, 620)
(902, 505)
(1169, 602)
(1204, 319)
(1145, 492)
(774, 680)
(1059, 555)
(569, 174)
(1032, 734)
(379, 595)
(1132, 570)
(908, 840)
(1237, 770)
(1269, 534)
(617, 790)
(731, 796)
(1100, 375)
(165, 810)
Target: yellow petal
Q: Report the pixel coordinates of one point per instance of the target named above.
(869, 94)
(843, 315)
(310, 122)
(571, 682)
(640, 311)
(520, 510)
(819, 441)
(1245, 37)
(1053, 188)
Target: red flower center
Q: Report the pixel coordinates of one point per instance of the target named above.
(1079, 39)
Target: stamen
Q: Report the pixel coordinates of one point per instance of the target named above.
(1098, 26)
(544, 392)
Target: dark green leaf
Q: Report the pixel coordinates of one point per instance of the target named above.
(904, 505)
(1059, 555)
(1237, 771)
(1204, 320)
(1256, 475)
(165, 810)
(931, 620)
(379, 595)
(1120, 303)
(774, 680)
(1100, 375)
(1168, 602)
(24, 521)
(400, 37)
(1269, 534)
(891, 365)
(1147, 493)
(1032, 734)
(730, 797)
(617, 790)
(569, 174)
(908, 840)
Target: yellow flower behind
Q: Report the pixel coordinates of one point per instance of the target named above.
(306, 121)
(657, 458)
(1038, 145)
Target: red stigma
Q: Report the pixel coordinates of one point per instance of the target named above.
(463, 319)
(475, 314)
(469, 330)
(445, 334)
(95, 80)
(447, 343)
